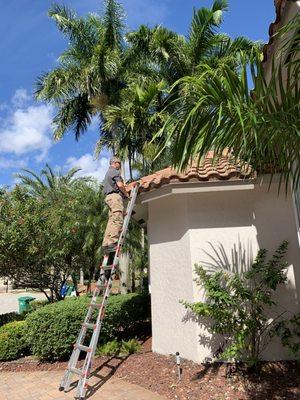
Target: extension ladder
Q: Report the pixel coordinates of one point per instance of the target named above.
(104, 283)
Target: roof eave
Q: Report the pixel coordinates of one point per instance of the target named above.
(177, 188)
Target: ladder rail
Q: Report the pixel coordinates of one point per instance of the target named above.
(106, 283)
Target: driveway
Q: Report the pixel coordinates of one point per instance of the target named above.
(9, 301)
(43, 385)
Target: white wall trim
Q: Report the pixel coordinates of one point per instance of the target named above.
(194, 187)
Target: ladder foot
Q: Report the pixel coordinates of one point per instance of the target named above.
(61, 388)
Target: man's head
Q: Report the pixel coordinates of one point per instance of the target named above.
(115, 162)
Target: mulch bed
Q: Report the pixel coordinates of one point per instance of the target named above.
(275, 381)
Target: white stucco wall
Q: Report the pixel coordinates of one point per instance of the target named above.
(218, 230)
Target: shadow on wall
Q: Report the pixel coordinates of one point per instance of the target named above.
(208, 341)
(240, 260)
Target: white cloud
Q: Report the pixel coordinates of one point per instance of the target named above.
(20, 98)
(95, 168)
(26, 130)
(6, 163)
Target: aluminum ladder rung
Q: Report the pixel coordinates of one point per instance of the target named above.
(89, 325)
(107, 267)
(81, 347)
(101, 285)
(76, 371)
(104, 282)
(96, 305)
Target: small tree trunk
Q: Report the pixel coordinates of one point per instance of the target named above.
(81, 281)
(46, 294)
(124, 273)
(74, 282)
(142, 263)
(130, 167)
(132, 268)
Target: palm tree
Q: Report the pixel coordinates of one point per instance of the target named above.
(218, 110)
(50, 184)
(135, 120)
(176, 56)
(155, 59)
(89, 75)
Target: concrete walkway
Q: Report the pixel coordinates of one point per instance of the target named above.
(43, 385)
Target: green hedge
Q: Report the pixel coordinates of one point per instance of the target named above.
(13, 341)
(35, 304)
(53, 328)
(10, 317)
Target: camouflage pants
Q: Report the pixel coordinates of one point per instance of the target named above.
(115, 219)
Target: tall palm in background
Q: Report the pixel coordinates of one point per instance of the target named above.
(89, 75)
(173, 56)
(156, 58)
(98, 66)
(138, 116)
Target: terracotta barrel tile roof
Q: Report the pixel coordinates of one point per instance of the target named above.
(210, 169)
(273, 28)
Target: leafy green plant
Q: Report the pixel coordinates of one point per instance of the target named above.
(289, 332)
(111, 348)
(130, 346)
(119, 348)
(236, 305)
(53, 329)
(35, 304)
(12, 341)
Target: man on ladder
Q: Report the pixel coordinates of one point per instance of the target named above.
(115, 191)
(114, 237)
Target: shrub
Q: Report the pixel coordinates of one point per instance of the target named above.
(13, 341)
(130, 347)
(9, 317)
(111, 348)
(289, 332)
(53, 328)
(35, 304)
(236, 305)
(115, 348)
(125, 314)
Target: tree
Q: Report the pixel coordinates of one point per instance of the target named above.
(89, 75)
(98, 70)
(159, 51)
(156, 58)
(50, 183)
(217, 110)
(49, 232)
(138, 116)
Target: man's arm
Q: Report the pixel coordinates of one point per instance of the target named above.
(122, 188)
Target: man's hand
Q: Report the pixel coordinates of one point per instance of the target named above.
(123, 189)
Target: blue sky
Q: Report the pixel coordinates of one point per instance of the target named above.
(30, 45)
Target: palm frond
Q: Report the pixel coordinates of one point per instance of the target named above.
(219, 111)
(113, 24)
(75, 114)
(203, 28)
(57, 84)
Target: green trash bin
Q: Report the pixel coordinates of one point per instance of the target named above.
(24, 303)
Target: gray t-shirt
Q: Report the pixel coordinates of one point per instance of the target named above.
(110, 181)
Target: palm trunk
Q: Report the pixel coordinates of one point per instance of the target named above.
(130, 166)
